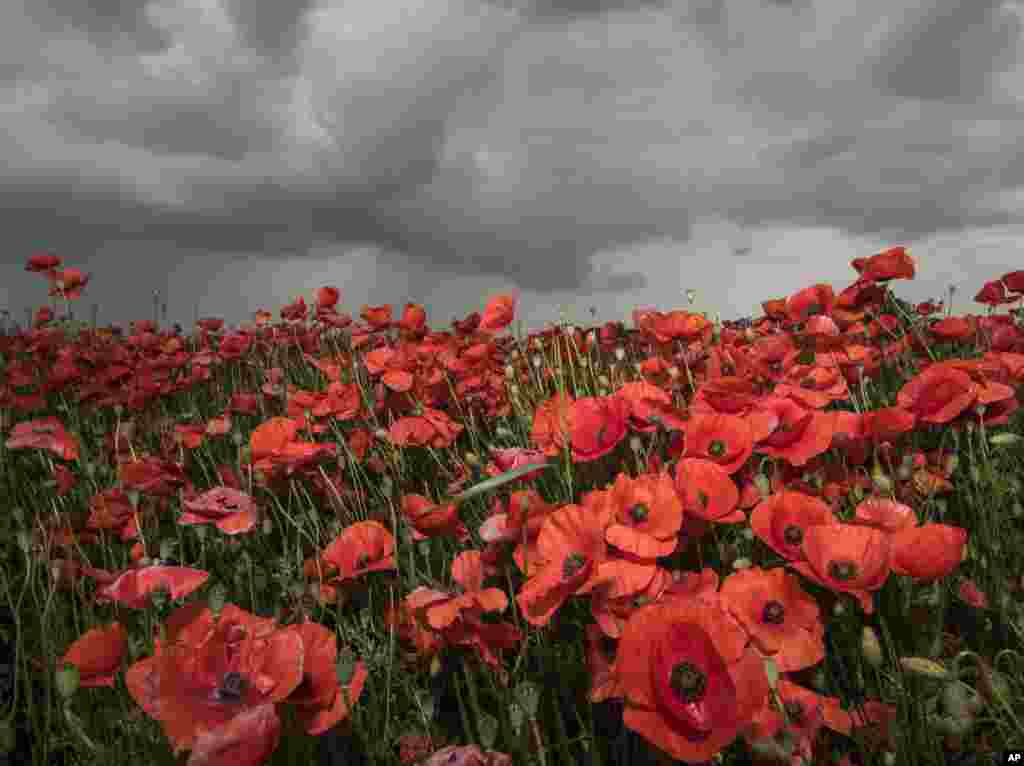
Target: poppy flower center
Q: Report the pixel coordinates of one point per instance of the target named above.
(572, 564)
(842, 570)
(795, 711)
(774, 613)
(639, 513)
(688, 683)
(702, 498)
(728, 369)
(793, 535)
(807, 382)
(232, 686)
(717, 448)
(362, 560)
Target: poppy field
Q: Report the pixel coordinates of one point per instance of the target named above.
(795, 539)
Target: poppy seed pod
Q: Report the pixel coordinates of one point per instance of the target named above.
(871, 647)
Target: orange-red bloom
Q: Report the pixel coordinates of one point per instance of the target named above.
(571, 546)
(707, 491)
(781, 521)
(847, 558)
(782, 619)
(208, 671)
(647, 515)
(98, 654)
(691, 683)
(928, 552)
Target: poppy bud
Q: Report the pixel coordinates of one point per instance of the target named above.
(961, 701)
(620, 353)
(1006, 439)
(882, 482)
(67, 679)
(871, 647)
(924, 668)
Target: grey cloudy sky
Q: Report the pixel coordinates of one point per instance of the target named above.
(606, 153)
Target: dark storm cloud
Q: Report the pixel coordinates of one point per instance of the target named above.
(515, 140)
(273, 28)
(118, 24)
(947, 51)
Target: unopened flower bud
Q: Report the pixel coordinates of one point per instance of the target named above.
(871, 647)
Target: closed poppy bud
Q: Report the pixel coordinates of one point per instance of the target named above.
(67, 679)
(871, 647)
(924, 668)
(1004, 439)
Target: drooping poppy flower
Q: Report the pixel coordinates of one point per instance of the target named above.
(551, 424)
(98, 654)
(571, 546)
(928, 552)
(511, 458)
(597, 424)
(68, 283)
(691, 683)
(781, 521)
(230, 510)
(801, 434)
(271, 436)
(649, 406)
(112, 510)
(44, 433)
(361, 548)
(151, 476)
(414, 318)
(894, 263)
(782, 619)
(320, 700)
(430, 519)
(432, 427)
(647, 515)
(938, 394)
(42, 262)
(209, 670)
(441, 609)
(847, 558)
(721, 438)
(707, 491)
(801, 714)
(134, 587)
(969, 592)
(817, 299)
(498, 314)
(327, 297)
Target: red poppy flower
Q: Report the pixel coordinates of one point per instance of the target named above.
(894, 263)
(847, 558)
(551, 424)
(782, 619)
(625, 587)
(41, 262)
(320, 700)
(134, 587)
(722, 438)
(647, 515)
(498, 314)
(707, 491)
(885, 514)
(44, 433)
(571, 545)
(938, 394)
(801, 434)
(230, 510)
(781, 521)
(441, 609)
(98, 654)
(68, 283)
(363, 547)
(690, 681)
(597, 424)
(429, 519)
(928, 552)
(111, 509)
(208, 671)
(817, 299)
(327, 297)
(649, 405)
